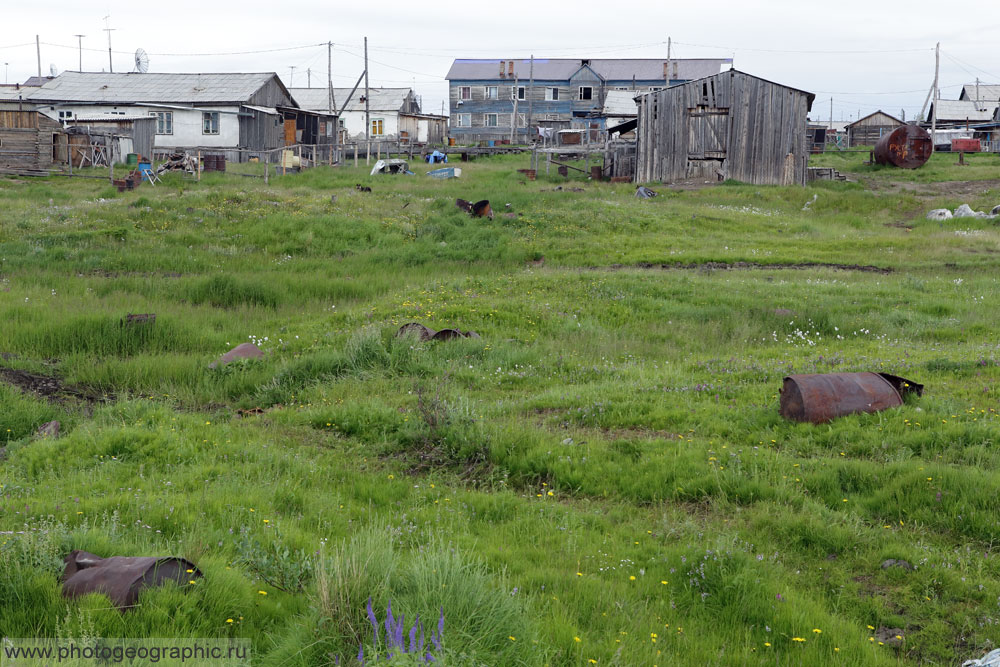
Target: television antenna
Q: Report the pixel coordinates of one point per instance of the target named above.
(141, 61)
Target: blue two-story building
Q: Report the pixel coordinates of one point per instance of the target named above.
(558, 93)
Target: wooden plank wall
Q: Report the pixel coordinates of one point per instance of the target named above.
(761, 127)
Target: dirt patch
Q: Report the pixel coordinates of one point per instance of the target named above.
(48, 387)
(102, 273)
(943, 188)
(746, 266)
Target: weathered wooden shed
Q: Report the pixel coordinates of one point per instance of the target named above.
(729, 125)
(29, 140)
(868, 130)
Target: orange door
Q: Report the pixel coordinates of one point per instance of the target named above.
(290, 132)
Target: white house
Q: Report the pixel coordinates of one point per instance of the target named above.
(193, 111)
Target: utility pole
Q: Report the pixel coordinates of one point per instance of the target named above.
(291, 77)
(513, 118)
(831, 114)
(79, 39)
(368, 121)
(329, 98)
(38, 48)
(309, 77)
(108, 29)
(666, 75)
(977, 93)
(937, 94)
(531, 90)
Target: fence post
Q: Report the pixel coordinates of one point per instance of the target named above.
(355, 155)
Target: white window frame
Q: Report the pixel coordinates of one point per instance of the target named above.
(552, 94)
(491, 92)
(207, 124)
(580, 93)
(519, 92)
(463, 120)
(381, 127)
(465, 92)
(65, 115)
(486, 120)
(164, 121)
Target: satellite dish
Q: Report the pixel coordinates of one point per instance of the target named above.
(52, 70)
(141, 61)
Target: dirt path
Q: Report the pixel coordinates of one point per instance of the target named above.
(46, 386)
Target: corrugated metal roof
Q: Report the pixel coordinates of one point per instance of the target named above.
(810, 97)
(614, 69)
(106, 87)
(379, 99)
(12, 92)
(987, 92)
(269, 110)
(620, 103)
(960, 110)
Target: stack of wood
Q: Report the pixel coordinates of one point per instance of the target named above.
(179, 162)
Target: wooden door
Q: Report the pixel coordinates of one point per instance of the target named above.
(708, 131)
(290, 132)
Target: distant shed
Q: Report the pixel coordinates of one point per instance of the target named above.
(729, 125)
(868, 130)
(29, 140)
(131, 134)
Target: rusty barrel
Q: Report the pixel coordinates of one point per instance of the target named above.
(907, 147)
(818, 398)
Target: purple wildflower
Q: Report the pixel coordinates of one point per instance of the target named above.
(373, 621)
(398, 636)
(361, 654)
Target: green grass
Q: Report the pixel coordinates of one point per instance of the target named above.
(601, 476)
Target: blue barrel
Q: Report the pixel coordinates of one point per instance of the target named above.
(492, 143)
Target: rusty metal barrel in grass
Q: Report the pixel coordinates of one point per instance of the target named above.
(906, 147)
(819, 398)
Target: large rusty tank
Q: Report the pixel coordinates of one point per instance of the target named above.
(907, 147)
(818, 398)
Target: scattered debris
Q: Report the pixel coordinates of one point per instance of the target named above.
(241, 351)
(892, 562)
(179, 162)
(907, 147)
(391, 166)
(642, 192)
(560, 188)
(121, 578)
(810, 202)
(362, 188)
(963, 211)
(821, 397)
(333, 199)
(481, 209)
(251, 412)
(445, 172)
(49, 430)
(991, 659)
(436, 156)
(424, 333)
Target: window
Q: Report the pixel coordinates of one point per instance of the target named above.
(65, 115)
(465, 93)
(378, 127)
(586, 93)
(464, 120)
(164, 121)
(491, 93)
(210, 122)
(490, 119)
(342, 123)
(653, 89)
(621, 87)
(552, 94)
(520, 92)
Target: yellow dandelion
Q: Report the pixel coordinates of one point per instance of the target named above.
(836, 649)
(391, 477)
(229, 620)
(577, 639)
(798, 639)
(191, 581)
(512, 638)
(664, 582)
(631, 577)
(767, 644)
(551, 494)
(579, 574)
(189, 571)
(817, 630)
(261, 592)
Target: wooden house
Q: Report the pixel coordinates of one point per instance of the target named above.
(29, 140)
(729, 125)
(211, 112)
(386, 109)
(868, 130)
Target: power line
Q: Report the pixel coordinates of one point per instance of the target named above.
(961, 62)
(836, 52)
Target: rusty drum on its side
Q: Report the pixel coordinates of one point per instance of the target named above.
(819, 398)
(907, 147)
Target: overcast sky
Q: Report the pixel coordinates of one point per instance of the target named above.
(865, 55)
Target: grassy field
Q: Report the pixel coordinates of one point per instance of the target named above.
(601, 478)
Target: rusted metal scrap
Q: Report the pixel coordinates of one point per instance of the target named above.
(121, 578)
(481, 209)
(907, 147)
(425, 333)
(821, 397)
